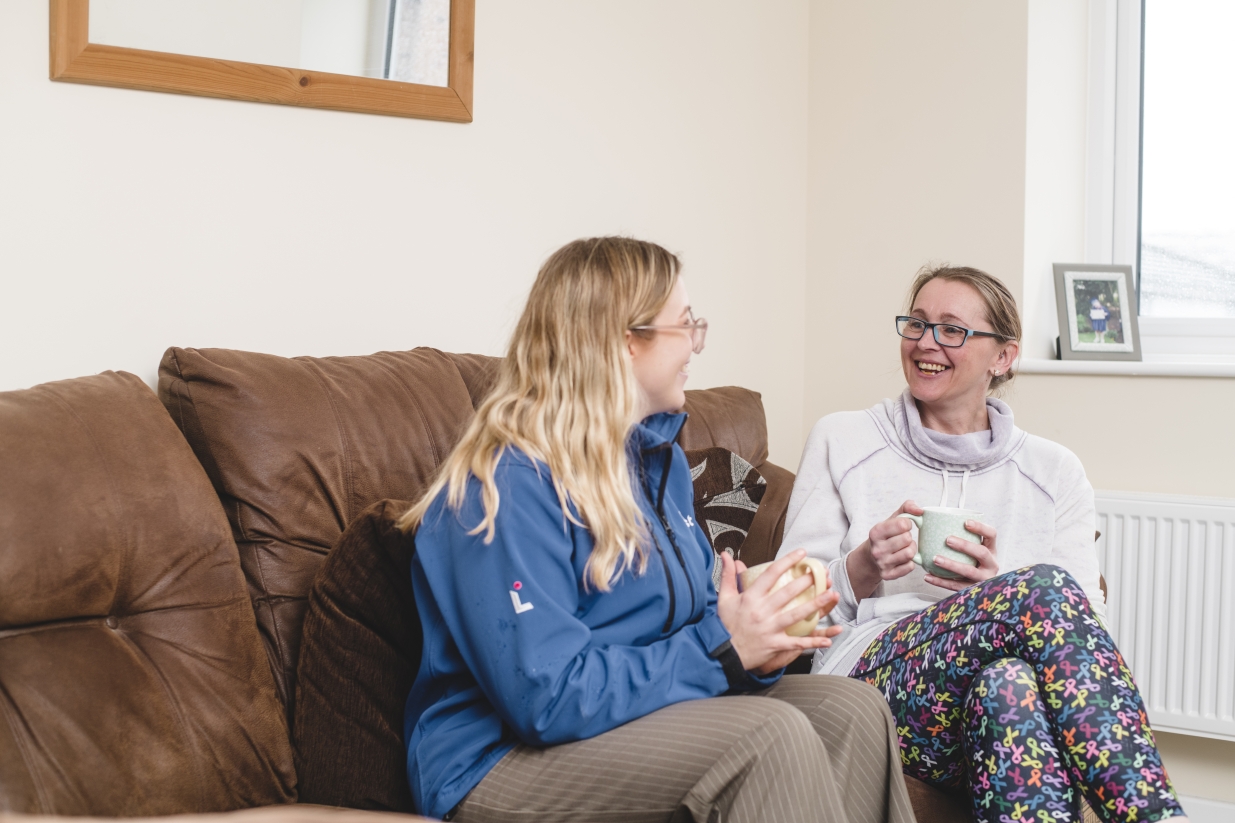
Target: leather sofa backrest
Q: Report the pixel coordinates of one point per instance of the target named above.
(132, 677)
(297, 447)
(730, 417)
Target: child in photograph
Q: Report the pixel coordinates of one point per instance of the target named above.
(1097, 318)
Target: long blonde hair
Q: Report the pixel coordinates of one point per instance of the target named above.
(566, 395)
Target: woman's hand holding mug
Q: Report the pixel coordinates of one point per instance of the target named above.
(888, 554)
(984, 553)
(757, 618)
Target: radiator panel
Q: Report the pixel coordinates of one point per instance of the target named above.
(1169, 564)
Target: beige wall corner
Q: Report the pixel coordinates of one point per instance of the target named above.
(917, 125)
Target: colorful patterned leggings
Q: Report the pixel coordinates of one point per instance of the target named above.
(1012, 690)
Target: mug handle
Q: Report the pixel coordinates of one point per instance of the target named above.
(819, 573)
(917, 521)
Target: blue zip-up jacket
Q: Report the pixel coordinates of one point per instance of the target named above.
(518, 649)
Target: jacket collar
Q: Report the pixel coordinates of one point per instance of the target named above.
(658, 430)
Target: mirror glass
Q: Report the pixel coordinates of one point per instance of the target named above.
(405, 40)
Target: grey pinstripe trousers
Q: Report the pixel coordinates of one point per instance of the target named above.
(811, 748)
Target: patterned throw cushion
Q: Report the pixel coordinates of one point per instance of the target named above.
(728, 490)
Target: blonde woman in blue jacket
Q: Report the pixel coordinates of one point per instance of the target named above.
(578, 662)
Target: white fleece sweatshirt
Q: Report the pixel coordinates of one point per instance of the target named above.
(859, 467)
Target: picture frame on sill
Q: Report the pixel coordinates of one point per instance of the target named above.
(1097, 312)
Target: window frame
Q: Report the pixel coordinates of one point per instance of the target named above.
(1113, 178)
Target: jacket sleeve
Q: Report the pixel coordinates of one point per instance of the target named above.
(816, 521)
(511, 608)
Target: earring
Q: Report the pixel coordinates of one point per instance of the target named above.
(996, 372)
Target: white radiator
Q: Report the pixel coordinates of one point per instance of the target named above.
(1169, 564)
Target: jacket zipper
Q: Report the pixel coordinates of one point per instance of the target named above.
(664, 521)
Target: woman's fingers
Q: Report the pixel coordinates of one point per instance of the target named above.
(951, 585)
(899, 554)
(890, 528)
(969, 574)
(788, 617)
(827, 601)
(975, 550)
(777, 599)
(983, 530)
(898, 563)
(980, 528)
(768, 579)
(728, 576)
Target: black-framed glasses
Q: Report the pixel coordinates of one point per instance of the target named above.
(698, 328)
(946, 334)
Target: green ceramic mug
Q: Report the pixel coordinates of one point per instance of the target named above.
(935, 525)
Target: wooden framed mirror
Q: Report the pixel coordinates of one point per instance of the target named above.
(75, 59)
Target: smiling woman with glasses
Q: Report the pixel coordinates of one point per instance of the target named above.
(981, 652)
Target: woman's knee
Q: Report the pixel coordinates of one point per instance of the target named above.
(1005, 668)
(1009, 681)
(1056, 577)
(830, 692)
(865, 698)
(851, 709)
(780, 717)
(786, 737)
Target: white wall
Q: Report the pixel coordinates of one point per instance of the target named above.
(131, 221)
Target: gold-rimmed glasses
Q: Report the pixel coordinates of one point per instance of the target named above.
(698, 328)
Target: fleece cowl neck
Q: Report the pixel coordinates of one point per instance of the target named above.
(901, 424)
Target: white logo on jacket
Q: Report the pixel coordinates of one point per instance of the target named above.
(520, 606)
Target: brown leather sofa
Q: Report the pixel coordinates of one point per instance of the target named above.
(156, 559)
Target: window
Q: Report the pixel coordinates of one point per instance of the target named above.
(1187, 230)
(1160, 168)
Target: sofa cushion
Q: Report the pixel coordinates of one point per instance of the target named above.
(296, 448)
(358, 657)
(732, 417)
(727, 494)
(132, 676)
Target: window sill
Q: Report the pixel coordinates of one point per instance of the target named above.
(1145, 368)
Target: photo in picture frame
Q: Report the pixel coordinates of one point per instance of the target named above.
(1097, 312)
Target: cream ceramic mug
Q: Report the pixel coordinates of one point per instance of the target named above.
(808, 565)
(936, 525)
